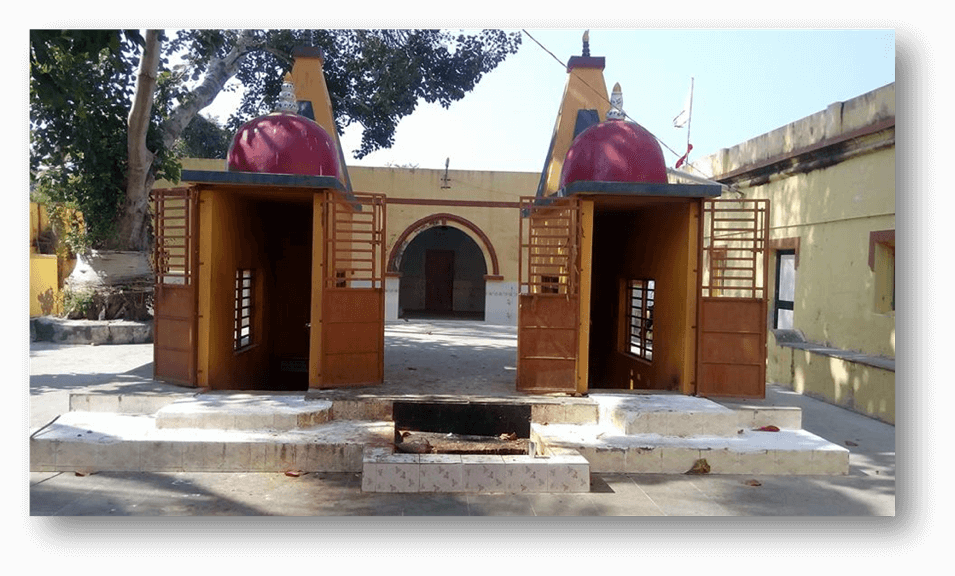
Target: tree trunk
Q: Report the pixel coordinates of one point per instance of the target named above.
(101, 291)
(133, 225)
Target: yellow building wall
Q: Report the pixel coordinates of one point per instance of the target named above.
(500, 224)
(831, 212)
(835, 288)
(45, 269)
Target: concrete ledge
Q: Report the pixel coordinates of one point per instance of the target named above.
(794, 339)
(65, 331)
(244, 412)
(123, 403)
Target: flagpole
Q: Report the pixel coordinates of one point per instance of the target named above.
(689, 120)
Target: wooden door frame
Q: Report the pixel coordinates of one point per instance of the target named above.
(558, 290)
(189, 285)
(757, 286)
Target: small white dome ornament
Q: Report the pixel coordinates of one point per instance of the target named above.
(287, 102)
(616, 104)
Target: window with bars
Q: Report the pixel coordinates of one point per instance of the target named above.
(785, 289)
(639, 297)
(244, 302)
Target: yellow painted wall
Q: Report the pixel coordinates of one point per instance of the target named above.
(831, 210)
(499, 224)
(47, 271)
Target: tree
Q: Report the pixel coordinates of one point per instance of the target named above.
(203, 138)
(106, 110)
(108, 113)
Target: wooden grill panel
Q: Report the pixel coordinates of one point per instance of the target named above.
(732, 312)
(353, 295)
(175, 296)
(548, 303)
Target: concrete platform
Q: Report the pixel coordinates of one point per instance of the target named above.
(624, 433)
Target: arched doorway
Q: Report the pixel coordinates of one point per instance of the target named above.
(442, 275)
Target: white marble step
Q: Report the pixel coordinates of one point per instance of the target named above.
(96, 441)
(607, 449)
(687, 416)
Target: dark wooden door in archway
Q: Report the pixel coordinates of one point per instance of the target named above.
(439, 281)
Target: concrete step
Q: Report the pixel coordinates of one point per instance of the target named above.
(607, 449)
(687, 416)
(96, 441)
(244, 412)
(278, 432)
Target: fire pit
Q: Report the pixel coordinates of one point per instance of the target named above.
(461, 428)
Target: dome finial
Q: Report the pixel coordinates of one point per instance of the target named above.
(586, 51)
(287, 101)
(616, 104)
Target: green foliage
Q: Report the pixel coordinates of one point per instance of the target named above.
(78, 304)
(81, 83)
(375, 77)
(203, 138)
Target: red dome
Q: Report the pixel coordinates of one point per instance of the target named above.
(282, 143)
(614, 151)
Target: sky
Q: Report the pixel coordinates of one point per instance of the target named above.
(746, 83)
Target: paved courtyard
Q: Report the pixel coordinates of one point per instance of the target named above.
(427, 355)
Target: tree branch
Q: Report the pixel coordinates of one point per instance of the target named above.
(220, 71)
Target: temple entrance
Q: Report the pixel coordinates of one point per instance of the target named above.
(643, 289)
(442, 276)
(287, 238)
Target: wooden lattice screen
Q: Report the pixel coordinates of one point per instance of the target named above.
(175, 298)
(548, 244)
(354, 241)
(731, 360)
(353, 294)
(734, 243)
(173, 234)
(548, 303)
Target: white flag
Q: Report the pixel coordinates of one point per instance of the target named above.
(684, 116)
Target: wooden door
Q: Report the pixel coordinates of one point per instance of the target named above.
(353, 294)
(549, 300)
(439, 281)
(175, 299)
(731, 356)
